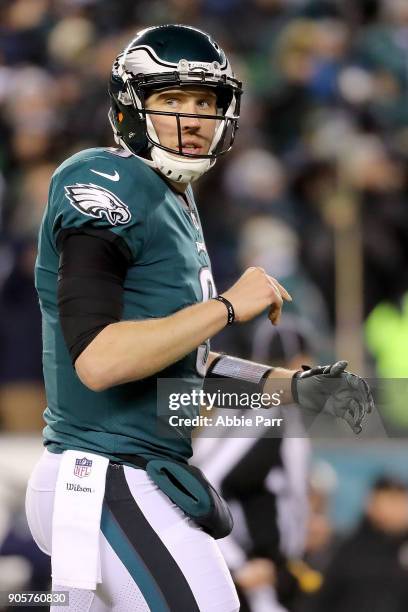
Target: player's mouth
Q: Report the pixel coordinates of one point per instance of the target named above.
(192, 148)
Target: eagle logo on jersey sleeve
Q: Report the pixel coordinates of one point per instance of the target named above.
(98, 202)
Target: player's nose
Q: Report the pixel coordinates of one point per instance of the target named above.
(191, 121)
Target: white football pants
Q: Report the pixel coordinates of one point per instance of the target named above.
(153, 557)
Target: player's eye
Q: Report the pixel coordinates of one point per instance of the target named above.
(205, 104)
(172, 102)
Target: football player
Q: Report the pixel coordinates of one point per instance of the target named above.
(127, 296)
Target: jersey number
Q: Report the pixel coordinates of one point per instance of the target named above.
(208, 291)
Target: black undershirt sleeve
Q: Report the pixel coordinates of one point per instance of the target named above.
(91, 274)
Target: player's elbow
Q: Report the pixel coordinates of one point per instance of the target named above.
(95, 369)
(90, 374)
(94, 365)
(101, 371)
(107, 361)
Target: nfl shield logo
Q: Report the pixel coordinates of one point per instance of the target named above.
(82, 467)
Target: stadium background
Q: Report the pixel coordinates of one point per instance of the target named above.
(315, 190)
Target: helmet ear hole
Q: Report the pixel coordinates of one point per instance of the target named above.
(115, 109)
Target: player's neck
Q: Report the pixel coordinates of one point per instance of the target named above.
(179, 187)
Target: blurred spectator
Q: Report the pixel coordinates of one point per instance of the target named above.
(27, 199)
(384, 44)
(286, 107)
(270, 243)
(23, 31)
(369, 572)
(321, 541)
(22, 398)
(364, 192)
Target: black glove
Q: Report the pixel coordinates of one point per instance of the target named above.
(333, 390)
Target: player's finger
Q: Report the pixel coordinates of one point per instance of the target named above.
(360, 410)
(273, 284)
(281, 289)
(362, 386)
(276, 306)
(338, 368)
(274, 314)
(370, 399)
(351, 416)
(358, 382)
(367, 396)
(353, 380)
(284, 293)
(360, 414)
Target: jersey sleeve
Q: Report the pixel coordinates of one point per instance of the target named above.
(93, 195)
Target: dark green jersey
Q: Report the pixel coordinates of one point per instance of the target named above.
(170, 269)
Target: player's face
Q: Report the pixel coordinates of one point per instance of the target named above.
(196, 132)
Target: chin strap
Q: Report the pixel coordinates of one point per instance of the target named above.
(179, 169)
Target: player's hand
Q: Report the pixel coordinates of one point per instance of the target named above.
(254, 292)
(333, 390)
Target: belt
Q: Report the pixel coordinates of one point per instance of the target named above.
(135, 460)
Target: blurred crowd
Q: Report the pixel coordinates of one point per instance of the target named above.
(315, 189)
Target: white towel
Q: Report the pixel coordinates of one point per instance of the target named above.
(76, 520)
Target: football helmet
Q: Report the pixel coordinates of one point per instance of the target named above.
(164, 57)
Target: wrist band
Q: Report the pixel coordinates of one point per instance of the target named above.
(229, 307)
(244, 376)
(294, 382)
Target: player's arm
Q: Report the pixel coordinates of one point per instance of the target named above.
(107, 351)
(330, 389)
